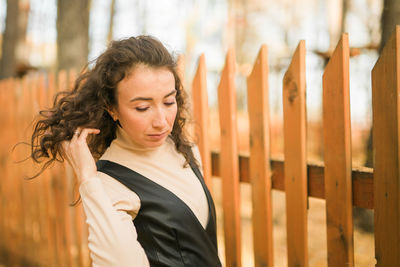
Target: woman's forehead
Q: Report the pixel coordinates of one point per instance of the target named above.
(146, 81)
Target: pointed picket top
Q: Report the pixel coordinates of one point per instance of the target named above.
(229, 163)
(295, 167)
(260, 173)
(337, 156)
(180, 67)
(261, 64)
(228, 72)
(296, 72)
(385, 105)
(340, 57)
(201, 68)
(200, 112)
(42, 92)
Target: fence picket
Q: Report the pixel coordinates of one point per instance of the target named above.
(385, 104)
(48, 250)
(229, 159)
(33, 185)
(337, 157)
(16, 223)
(200, 112)
(3, 136)
(260, 173)
(295, 167)
(60, 184)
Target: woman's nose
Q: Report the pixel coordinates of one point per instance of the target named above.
(159, 119)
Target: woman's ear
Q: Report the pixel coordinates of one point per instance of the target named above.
(112, 113)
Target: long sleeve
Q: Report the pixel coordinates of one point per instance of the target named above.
(112, 235)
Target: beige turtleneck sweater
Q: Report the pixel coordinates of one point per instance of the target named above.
(110, 206)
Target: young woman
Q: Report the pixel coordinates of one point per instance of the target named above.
(128, 112)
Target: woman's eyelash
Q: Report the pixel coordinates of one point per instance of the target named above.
(141, 109)
(146, 108)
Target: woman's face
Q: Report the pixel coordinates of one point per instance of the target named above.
(146, 105)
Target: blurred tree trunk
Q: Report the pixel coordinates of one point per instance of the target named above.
(72, 33)
(22, 52)
(8, 60)
(14, 60)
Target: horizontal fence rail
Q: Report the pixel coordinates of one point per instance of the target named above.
(362, 179)
(38, 228)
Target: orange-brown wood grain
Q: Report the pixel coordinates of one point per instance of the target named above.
(337, 157)
(385, 104)
(33, 184)
(363, 195)
(60, 181)
(72, 190)
(48, 245)
(260, 173)
(200, 112)
(295, 166)
(229, 162)
(15, 238)
(3, 169)
(49, 178)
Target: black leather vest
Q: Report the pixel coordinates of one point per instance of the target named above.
(167, 228)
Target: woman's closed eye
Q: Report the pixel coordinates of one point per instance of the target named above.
(169, 103)
(141, 109)
(144, 108)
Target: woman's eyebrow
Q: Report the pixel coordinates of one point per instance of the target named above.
(170, 93)
(140, 98)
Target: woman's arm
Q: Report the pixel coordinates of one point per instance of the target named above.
(112, 235)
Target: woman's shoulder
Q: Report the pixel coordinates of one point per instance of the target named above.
(119, 194)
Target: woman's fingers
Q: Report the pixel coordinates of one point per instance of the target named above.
(86, 131)
(78, 153)
(76, 134)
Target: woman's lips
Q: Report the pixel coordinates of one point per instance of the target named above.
(157, 137)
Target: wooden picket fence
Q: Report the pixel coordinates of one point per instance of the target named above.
(38, 228)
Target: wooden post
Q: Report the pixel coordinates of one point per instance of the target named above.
(229, 162)
(60, 185)
(200, 112)
(295, 165)
(385, 104)
(260, 172)
(337, 157)
(25, 209)
(4, 163)
(47, 235)
(15, 225)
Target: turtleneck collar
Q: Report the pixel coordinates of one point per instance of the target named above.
(123, 140)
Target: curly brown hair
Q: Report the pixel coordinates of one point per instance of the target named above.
(94, 93)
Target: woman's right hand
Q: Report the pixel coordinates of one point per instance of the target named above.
(78, 154)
